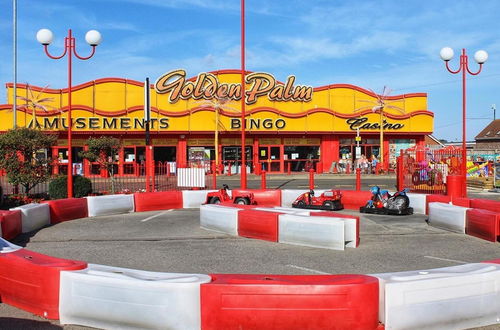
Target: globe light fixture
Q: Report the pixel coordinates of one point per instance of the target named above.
(93, 38)
(480, 57)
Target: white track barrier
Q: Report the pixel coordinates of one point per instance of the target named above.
(219, 218)
(119, 298)
(288, 196)
(191, 177)
(34, 216)
(286, 210)
(417, 201)
(110, 204)
(447, 216)
(6, 246)
(458, 297)
(194, 198)
(311, 231)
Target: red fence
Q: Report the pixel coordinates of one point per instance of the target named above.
(424, 169)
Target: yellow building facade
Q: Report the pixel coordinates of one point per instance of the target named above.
(289, 126)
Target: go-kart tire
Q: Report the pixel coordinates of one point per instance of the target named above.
(328, 205)
(400, 203)
(300, 205)
(214, 200)
(337, 205)
(241, 201)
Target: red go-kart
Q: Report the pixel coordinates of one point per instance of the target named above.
(330, 200)
(221, 195)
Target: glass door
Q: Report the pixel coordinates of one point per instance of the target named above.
(270, 158)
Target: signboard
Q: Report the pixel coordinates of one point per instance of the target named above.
(207, 86)
(358, 152)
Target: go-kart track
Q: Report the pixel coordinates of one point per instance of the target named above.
(172, 241)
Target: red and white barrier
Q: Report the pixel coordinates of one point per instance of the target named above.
(10, 224)
(314, 232)
(67, 209)
(418, 202)
(351, 226)
(458, 297)
(435, 199)
(194, 198)
(285, 210)
(30, 281)
(485, 204)
(33, 216)
(258, 224)
(353, 200)
(483, 224)
(155, 201)
(263, 197)
(112, 297)
(240, 301)
(219, 218)
(447, 216)
(110, 204)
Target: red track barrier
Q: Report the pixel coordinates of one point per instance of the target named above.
(461, 201)
(30, 281)
(161, 200)
(258, 224)
(483, 224)
(485, 204)
(340, 215)
(67, 209)
(11, 224)
(237, 301)
(263, 183)
(358, 179)
(353, 199)
(263, 197)
(435, 198)
(239, 206)
(311, 179)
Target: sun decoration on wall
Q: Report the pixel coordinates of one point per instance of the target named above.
(218, 104)
(379, 105)
(34, 102)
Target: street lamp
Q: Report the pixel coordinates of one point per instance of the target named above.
(93, 38)
(480, 57)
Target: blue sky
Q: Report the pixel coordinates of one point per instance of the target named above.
(366, 43)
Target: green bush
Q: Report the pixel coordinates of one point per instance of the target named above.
(58, 187)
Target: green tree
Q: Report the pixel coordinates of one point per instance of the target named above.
(18, 156)
(103, 150)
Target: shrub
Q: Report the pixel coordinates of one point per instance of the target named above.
(58, 187)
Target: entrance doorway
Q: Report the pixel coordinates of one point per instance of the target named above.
(270, 158)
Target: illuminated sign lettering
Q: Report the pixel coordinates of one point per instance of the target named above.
(258, 123)
(122, 123)
(208, 87)
(362, 123)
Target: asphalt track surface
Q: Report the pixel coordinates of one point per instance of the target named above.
(172, 241)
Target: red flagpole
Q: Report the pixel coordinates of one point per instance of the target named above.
(243, 150)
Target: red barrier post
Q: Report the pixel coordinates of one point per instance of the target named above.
(214, 179)
(167, 168)
(358, 179)
(311, 179)
(263, 182)
(149, 167)
(289, 169)
(400, 173)
(229, 169)
(454, 185)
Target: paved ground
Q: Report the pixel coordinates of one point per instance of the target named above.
(172, 241)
